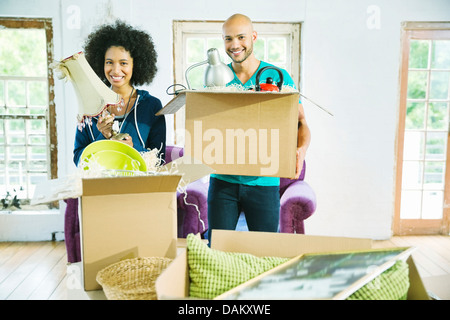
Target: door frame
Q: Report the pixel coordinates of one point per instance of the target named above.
(418, 30)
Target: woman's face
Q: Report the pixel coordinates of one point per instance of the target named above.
(118, 67)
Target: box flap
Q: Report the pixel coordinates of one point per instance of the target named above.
(180, 99)
(190, 169)
(129, 185)
(174, 105)
(173, 282)
(57, 189)
(282, 244)
(417, 289)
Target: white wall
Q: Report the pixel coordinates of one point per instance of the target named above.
(350, 65)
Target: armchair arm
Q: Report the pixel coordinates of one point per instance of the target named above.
(297, 203)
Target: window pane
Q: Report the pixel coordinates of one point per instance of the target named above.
(440, 58)
(259, 48)
(16, 153)
(417, 84)
(432, 206)
(439, 85)
(37, 153)
(415, 115)
(37, 140)
(37, 126)
(16, 139)
(414, 145)
(24, 52)
(434, 175)
(37, 91)
(196, 51)
(15, 126)
(16, 93)
(2, 94)
(410, 204)
(418, 54)
(438, 115)
(412, 175)
(436, 145)
(196, 77)
(277, 50)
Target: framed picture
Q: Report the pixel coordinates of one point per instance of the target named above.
(319, 276)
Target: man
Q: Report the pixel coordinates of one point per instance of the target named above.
(258, 197)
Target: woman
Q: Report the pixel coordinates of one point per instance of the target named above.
(124, 57)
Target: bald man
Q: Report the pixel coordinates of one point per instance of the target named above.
(258, 197)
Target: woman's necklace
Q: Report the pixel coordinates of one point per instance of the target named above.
(116, 128)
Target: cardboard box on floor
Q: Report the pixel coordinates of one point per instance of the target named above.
(128, 217)
(173, 283)
(242, 133)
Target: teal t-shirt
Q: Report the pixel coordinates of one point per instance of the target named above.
(287, 81)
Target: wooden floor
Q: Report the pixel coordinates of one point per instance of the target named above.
(39, 270)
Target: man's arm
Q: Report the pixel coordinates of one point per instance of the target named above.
(303, 140)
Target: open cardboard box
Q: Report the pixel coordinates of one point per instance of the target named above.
(243, 132)
(173, 283)
(125, 217)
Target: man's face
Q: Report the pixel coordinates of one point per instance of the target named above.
(238, 40)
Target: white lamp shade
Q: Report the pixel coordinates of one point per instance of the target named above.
(92, 94)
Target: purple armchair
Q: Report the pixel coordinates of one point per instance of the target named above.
(297, 203)
(72, 231)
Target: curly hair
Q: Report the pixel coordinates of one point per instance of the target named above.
(137, 42)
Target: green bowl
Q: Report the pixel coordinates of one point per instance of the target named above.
(114, 155)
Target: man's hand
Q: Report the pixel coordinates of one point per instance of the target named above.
(301, 154)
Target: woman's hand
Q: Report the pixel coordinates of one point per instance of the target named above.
(124, 138)
(104, 125)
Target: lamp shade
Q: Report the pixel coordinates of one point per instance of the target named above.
(217, 73)
(92, 94)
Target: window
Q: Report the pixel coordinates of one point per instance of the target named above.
(278, 43)
(28, 148)
(424, 127)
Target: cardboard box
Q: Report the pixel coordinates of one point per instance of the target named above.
(125, 217)
(242, 133)
(173, 283)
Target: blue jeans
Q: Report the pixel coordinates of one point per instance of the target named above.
(261, 205)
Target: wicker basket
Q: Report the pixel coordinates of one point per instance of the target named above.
(132, 279)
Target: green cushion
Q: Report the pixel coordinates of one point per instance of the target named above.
(213, 272)
(392, 284)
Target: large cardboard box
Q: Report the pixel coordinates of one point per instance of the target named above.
(242, 133)
(173, 283)
(126, 217)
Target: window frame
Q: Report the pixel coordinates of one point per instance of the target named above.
(51, 130)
